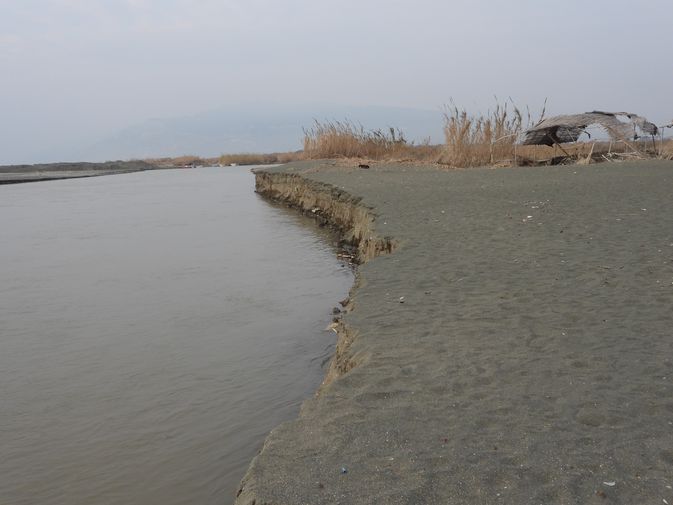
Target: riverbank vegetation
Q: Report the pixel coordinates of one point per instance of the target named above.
(470, 140)
(478, 140)
(345, 139)
(259, 159)
(227, 160)
(492, 139)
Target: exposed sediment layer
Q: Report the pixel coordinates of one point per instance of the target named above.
(332, 206)
(353, 221)
(515, 348)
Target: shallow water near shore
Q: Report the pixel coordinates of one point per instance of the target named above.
(153, 328)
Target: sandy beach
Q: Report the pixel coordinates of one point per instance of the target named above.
(515, 347)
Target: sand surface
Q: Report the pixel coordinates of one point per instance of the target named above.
(531, 361)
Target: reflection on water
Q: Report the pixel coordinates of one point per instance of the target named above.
(153, 328)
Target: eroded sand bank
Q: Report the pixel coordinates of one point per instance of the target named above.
(531, 360)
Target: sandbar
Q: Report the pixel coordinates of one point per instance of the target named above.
(516, 346)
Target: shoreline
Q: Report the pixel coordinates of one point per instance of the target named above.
(19, 174)
(515, 348)
(354, 224)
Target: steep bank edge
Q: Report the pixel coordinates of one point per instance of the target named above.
(350, 218)
(355, 224)
(330, 205)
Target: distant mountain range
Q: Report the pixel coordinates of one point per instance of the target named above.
(252, 129)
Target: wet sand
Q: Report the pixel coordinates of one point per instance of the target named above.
(14, 174)
(516, 347)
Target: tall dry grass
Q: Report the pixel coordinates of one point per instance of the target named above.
(490, 139)
(666, 149)
(345, 139)
(259, 158)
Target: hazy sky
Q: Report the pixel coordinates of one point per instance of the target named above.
(75, 70)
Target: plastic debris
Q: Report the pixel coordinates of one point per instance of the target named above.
(611, 483)
(401, 299)
(344, 470)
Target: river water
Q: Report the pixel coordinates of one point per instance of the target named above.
(153, 328)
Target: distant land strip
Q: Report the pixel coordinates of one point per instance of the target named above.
(13, 174)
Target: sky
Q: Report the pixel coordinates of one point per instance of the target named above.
(74, 71)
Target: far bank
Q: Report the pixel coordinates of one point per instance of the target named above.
(13, 174)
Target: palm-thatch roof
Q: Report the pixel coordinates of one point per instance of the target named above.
(568, 128)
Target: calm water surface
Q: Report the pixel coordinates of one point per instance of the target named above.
(153, 328)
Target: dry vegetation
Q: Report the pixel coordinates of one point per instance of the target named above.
(344, 139)
(470, 140)
(491, 140)
(481, 140)
(227, 159)
(666, 149)
(259, 159)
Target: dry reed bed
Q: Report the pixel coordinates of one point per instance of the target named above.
(259, 159)
(344, 139)
(470, 141)
(480, 140)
